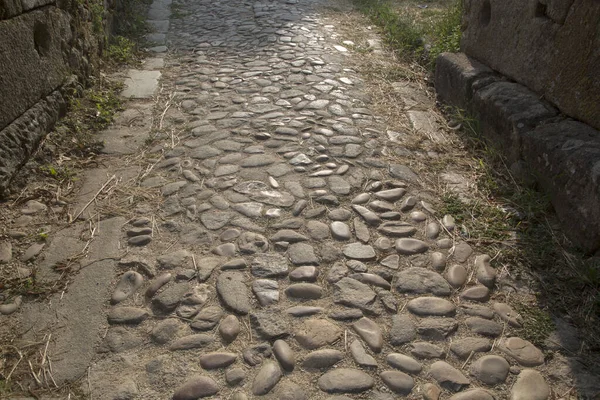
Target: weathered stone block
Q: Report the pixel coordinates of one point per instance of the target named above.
(458, 76)
(551, 46)
(506, 110)
(21, 137)
(31, 4)
(32, 63)
(10, 8)
(566, 159)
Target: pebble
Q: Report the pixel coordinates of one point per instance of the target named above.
(398, 382)
(530, 385)
(141, 240)
(305, 291)
(408, 246)
(506, 313)
(191, 342)
(457, 275)
(229, 328)
(404, 363)
(7, 309)
(523, 351)
(476, 293)
(32, 251)
(370, 332)
(322, 359)
(473, 394)
(403, 330)
(129, 283)
(485, 273)
(463, 347)
(345, 380)
(235, 376)
(426, 350)
(268, 376)
(447, 376)
(307, 273)
(302, 254)
(484, 326)
(269, 324)
(166, 330)
(315, 333)
(266, 291)
(157, 283)
(360, 355)
(5, 252)
(232, 289)
(127, 315)
(285, 355)
(340, 231)
(359, 251)
(490, 369)
(217, 360)
(420, 281)
(431, 306)
(197, 386)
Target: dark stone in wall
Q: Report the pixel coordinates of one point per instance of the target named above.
(32, 62)
(20, 139)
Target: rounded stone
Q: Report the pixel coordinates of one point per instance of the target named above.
(486, 274)
(431, 306)
(408, 246)
(464, 347)
(322, 359)
(129, 283)
(266, 379)
(235, 376)
(398, 382)
(484, 326)
(196, 387)
(438, 261)
(340, 230)
(404, 363)
(306, 291)
(473, 394)
(305, 273)
(490, 369)
(217, 360)
(370, 332)
(476, 293)
(447, 376)
(359, 251)
(345, 380)
(530, 385)
(166, 330)
(284, 354)
(506, 313)
(523, 351)
(229, 328)
(315, 333)
(456, 275)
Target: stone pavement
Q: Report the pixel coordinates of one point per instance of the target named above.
(289, 257)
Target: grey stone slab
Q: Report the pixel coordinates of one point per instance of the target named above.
(141, 84)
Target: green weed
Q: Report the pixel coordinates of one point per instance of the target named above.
(419, 37)
(121, 50)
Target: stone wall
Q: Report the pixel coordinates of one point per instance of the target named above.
(529, 71)
(44, 43)
(550, 46)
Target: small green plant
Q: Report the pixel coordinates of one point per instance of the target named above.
(420, 38)
(121, 50)
(537, 323)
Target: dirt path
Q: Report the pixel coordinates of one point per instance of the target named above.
(256, 229)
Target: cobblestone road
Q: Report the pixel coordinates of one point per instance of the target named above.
(296, 260)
